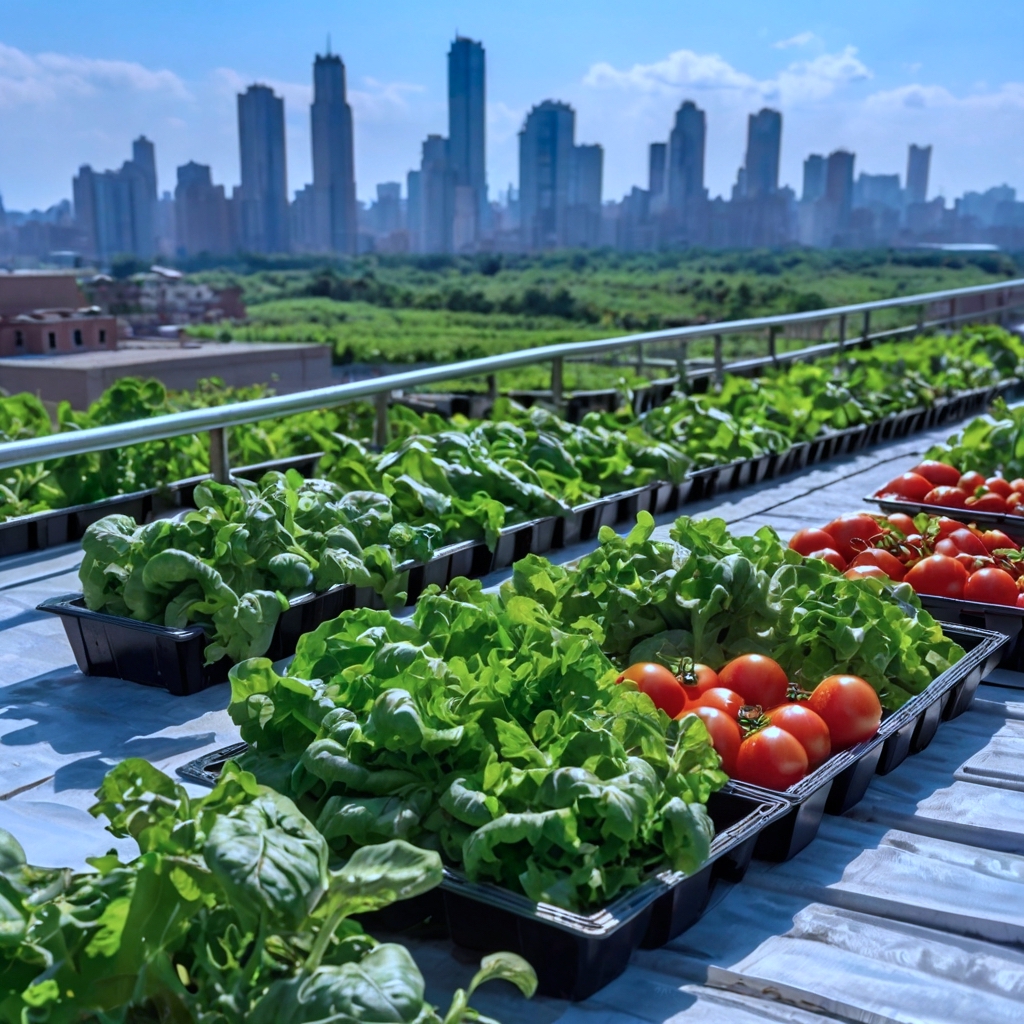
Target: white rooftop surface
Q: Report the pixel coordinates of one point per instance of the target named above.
(909, 908)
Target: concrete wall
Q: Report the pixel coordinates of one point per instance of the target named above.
(82, 377)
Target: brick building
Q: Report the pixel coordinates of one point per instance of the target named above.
(56, 331)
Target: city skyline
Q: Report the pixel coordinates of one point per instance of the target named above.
(837, 81)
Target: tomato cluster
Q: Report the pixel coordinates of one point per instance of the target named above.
(938, 483)
(935, 555)
(765, 731)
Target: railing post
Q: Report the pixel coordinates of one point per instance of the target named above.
(772, 334)
(492, 386)
(220, 464)
(681, 371)
(381, 427)
(640, 358)
(842, 333)
(920, 318)
(557, 387)
(719, 361)
(865, 334)
(951, 322)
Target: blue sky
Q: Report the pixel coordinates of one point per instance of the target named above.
(79, 80)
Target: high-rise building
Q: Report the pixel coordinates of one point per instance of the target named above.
(583, 226)
(414, 210)
(655, 173)
(202, 218)
(387, 211)
(116, 210)
(334, 181)
(467, 151)
(764, 142)
(686, 157)
(839, 183)
(545, 167)
(263, 193)
(437, 196)
(919, 159)
(814, 178)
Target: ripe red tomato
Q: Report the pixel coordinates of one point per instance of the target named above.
(971, 481)
(1017, 485)
(852, 526)
(659, 684)
(999, 485)
(757, 679)
(705, 676)
(946, 546)
(850, 707)
(994, 540)
(909, 486)
(1020, 600)
(941, 474)
(771, 757)
(988, 502)
(861, 572)
(947, 526)
(948, 497)
(993, 586)
(938, 575)
(721, 697)
(808, 727)
(809, 540)
(831, 556)
(903, 523)
(968, 542)
(885, 560)
(725, 734)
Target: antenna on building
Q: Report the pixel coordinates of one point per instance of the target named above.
(328, 44)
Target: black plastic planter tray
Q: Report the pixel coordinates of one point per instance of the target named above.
(63, 525)
(1009, 522)
(912, 727)
(142, 652)
(575, 954)
(840, 783)
(996, 618)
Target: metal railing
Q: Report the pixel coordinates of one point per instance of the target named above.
(217, 420)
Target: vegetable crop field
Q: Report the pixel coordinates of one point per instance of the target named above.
(395, 310)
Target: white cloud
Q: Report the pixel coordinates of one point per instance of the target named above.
(47, 77)
(802, 80)
(801, 39)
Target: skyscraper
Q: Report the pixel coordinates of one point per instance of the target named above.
(656, 171)
(814, 178)
(116, 210)
(839, 184)
(919, 161)
(334, 181)
(466, 128)
(686, 157)
(545, 172)
(764, 141)
(263, 194)
(436, 196)
(202, 219)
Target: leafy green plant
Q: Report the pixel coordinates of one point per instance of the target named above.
(230, 914)
(487, 730)
(233, 564)
(709, 595)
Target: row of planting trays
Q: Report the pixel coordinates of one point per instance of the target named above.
(112, 646)
(575, 954)
(61, 526)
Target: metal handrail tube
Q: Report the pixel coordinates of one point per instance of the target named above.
(158, 428)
